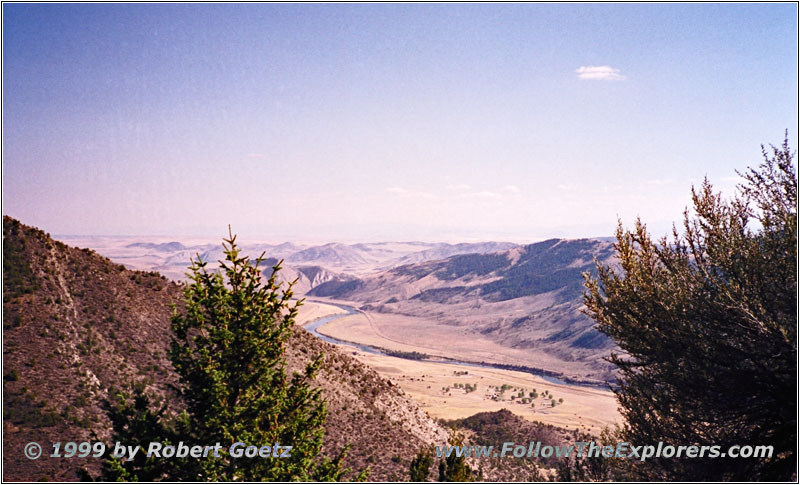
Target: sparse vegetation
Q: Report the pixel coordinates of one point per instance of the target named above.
(468, 387)
(23, 408)
(18, 278)
(414, 355)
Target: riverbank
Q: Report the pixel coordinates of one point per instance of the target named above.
(384, 333)
(440, 386)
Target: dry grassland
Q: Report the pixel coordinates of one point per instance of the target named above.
(433, 385)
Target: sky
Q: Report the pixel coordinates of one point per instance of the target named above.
(354, 122)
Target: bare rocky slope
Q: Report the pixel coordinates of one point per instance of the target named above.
(75, 325)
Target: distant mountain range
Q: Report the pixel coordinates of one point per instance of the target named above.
(163, 247)
(172, 258)
(554, 265)
(520, 297)
(526, 297)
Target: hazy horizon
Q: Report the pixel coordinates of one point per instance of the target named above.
(255, 239)
(385, 122)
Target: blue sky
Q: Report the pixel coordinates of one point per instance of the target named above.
(385, 121)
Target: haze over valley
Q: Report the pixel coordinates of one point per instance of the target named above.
(494, 302)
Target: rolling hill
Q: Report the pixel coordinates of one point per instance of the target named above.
(526, 297)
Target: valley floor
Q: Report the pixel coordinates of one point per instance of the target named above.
(457, 342)
(433, 385)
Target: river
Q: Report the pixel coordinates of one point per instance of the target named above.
(316, 324)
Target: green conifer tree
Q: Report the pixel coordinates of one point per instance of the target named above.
(454, 468)
(421, 466)
(228, 350)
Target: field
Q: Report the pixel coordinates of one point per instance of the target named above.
(460, 342)
(433, 385)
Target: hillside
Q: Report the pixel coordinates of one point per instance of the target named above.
(304, 277)
(526, 297)
(75, 325)
(495, 428)
(442, 251)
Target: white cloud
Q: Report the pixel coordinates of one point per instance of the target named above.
(659, 182)
(611, 188)
(400, 191)
(484, 194)
(601, 73)
(458, 187)
(513, 189)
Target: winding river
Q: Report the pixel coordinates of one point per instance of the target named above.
(316, 324)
